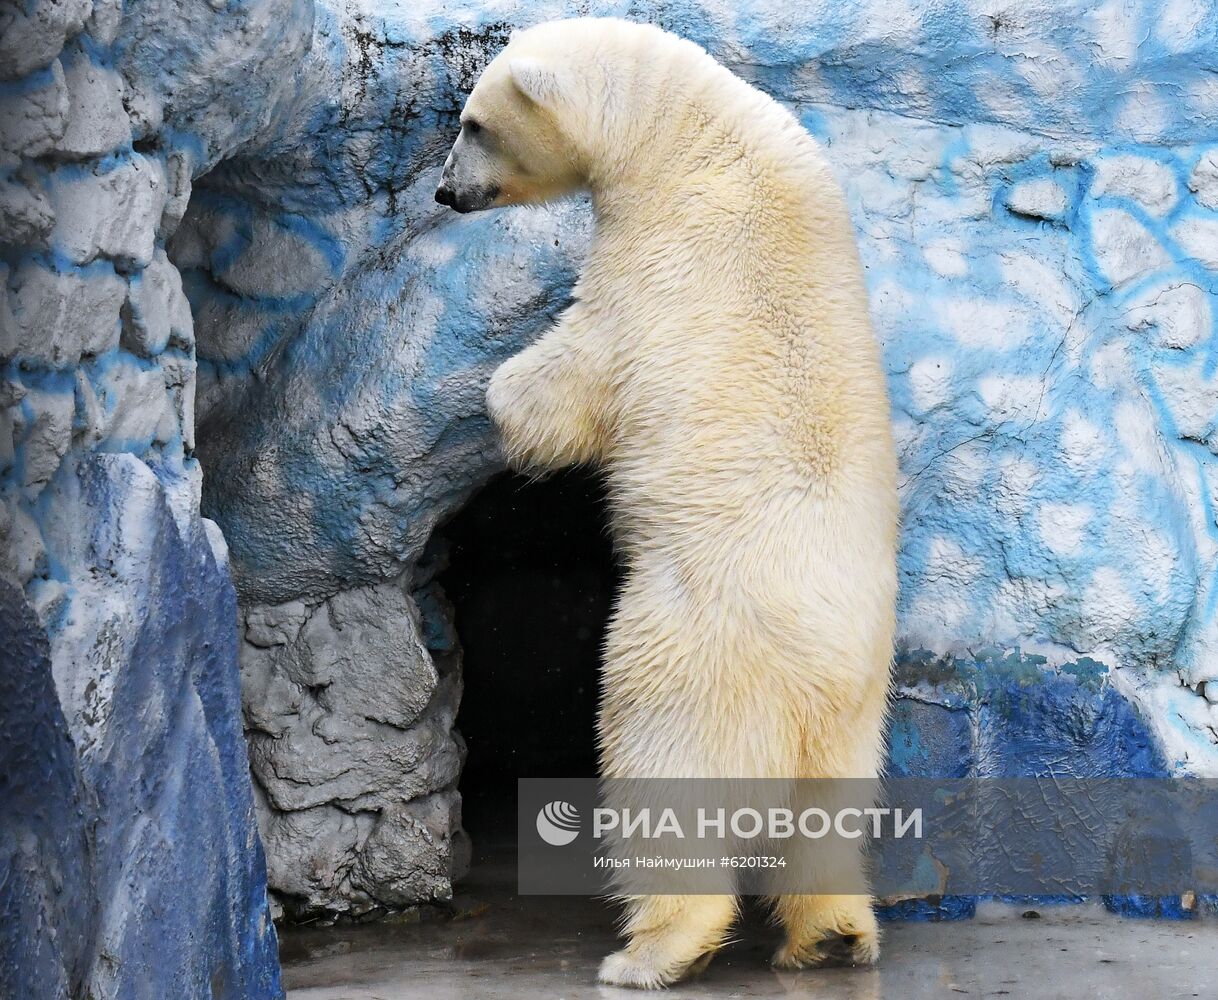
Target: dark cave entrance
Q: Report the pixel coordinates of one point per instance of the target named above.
(531, 577)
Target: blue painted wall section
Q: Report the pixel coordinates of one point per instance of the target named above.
(44, 860)
(1006, 714)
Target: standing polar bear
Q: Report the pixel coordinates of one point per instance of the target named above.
(718, 364)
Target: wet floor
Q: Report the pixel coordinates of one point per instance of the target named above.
(497, 946)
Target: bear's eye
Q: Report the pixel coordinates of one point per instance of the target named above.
(472, 126)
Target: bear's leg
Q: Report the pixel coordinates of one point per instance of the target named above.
(827, 930)
(671, 937)
(836, 925)
(548, 403)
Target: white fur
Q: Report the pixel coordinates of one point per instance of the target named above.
(719, 365)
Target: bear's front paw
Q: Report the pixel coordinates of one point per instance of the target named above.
(502, 406)
(498, 395)
(542, 412)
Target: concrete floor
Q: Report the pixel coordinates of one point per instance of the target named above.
(497, 946)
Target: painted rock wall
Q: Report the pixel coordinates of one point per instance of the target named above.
(1035, 188)
(129, 858)
(322, 251)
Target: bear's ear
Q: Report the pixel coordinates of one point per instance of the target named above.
(537, 81)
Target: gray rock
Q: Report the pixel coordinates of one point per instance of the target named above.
(1203, 181)
(156, 312)
(97, 122)
(1199, 238)
(177, 190)
(1124, 247)
(23, 551)
(46, 437)
(1177, 312)
(26, 216)
(1140, 179)
(32, 121)
(111, 211)
(32, 35)
(140, 408)
(58, 316)
(180, 384)
(415, 852)
(7, 446)
(348, 717)
(327, 861)
(1038, 199)
(103, 23)
(276, 262)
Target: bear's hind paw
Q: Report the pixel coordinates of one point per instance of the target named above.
(831, 950)
(626, 968)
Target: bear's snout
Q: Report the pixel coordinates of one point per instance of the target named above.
(465, 200)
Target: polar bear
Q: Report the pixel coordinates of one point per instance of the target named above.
(718, 364)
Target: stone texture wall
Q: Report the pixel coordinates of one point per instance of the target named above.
(1034, 187)
(321, 250)
(1033, 190)
(129, 858)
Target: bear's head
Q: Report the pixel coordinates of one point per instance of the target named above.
(561, 100)
(515, 145)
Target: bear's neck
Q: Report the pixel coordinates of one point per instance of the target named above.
(715, 130)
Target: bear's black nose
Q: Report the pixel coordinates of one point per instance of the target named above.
(446, 196)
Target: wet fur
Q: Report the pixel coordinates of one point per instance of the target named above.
(718, 364)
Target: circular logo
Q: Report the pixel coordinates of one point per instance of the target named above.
(558, 823)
